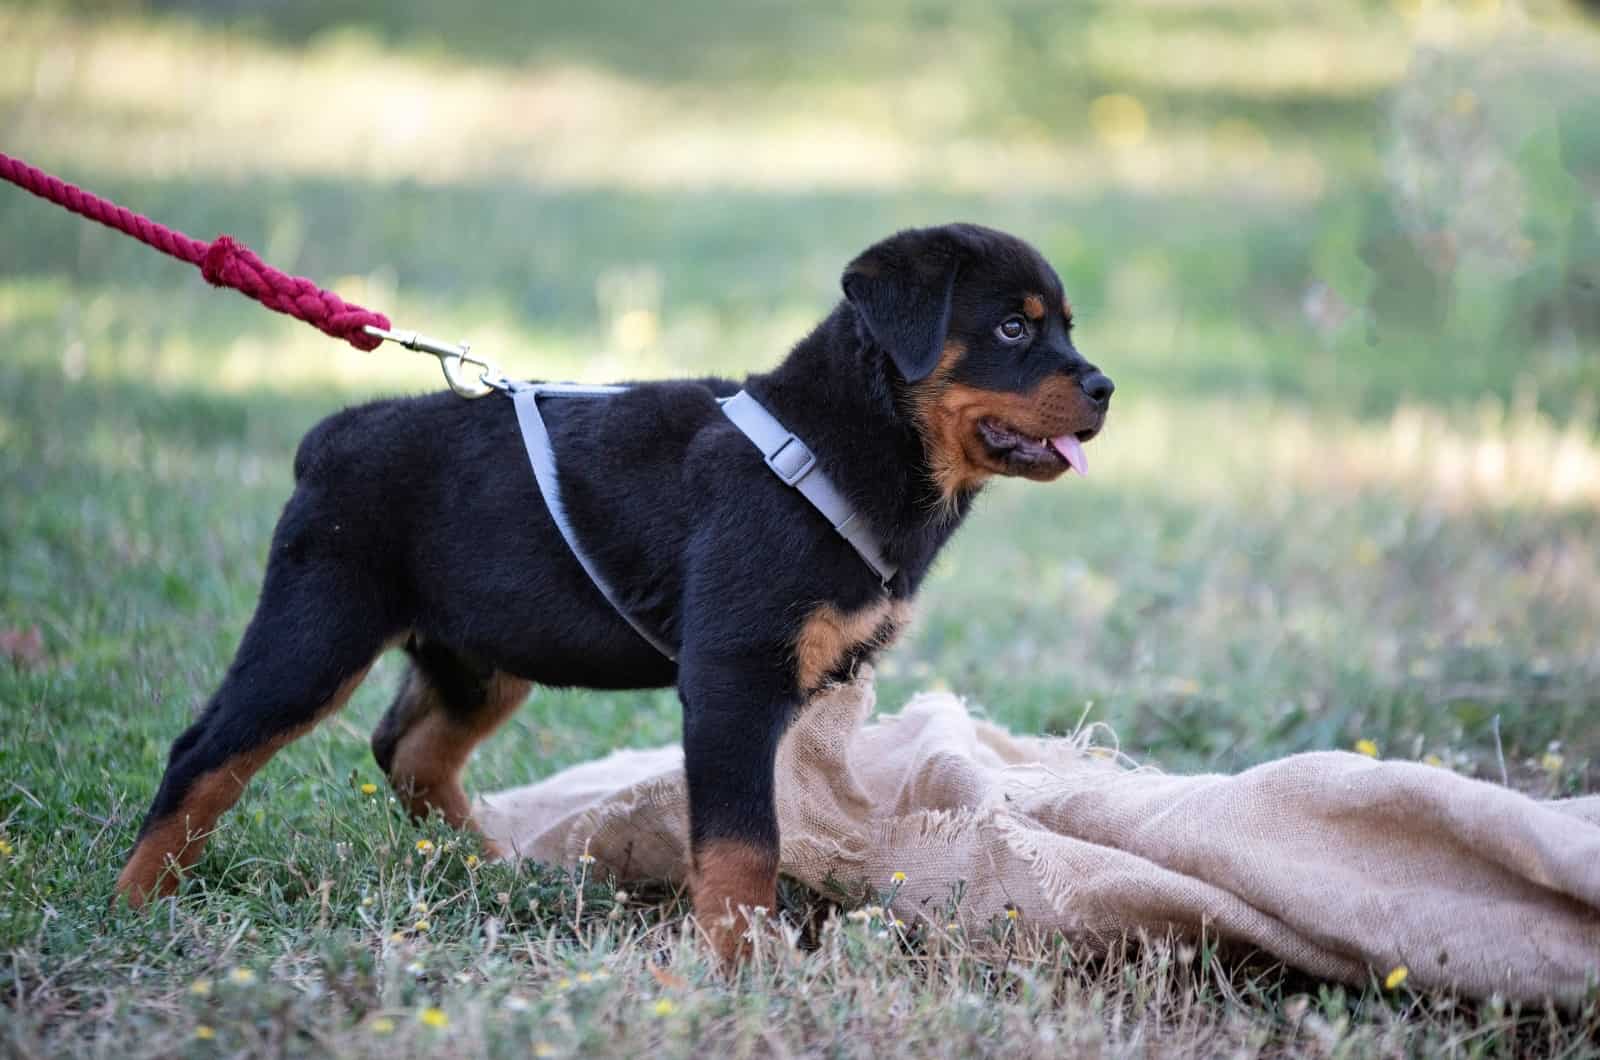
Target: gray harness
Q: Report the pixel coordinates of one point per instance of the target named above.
(788, 457)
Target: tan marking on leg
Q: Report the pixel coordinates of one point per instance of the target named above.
(429, 756)
(175, 842)
(729, 879)
(827, 637)
(1033, 307)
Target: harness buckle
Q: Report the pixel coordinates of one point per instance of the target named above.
(792, 461)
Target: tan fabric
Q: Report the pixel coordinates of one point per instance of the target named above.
(1333, 862)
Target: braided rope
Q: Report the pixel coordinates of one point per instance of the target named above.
(224, 262)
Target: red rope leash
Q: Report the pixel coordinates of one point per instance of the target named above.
(224, 263)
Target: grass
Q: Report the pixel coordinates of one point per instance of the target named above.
(1350, 491)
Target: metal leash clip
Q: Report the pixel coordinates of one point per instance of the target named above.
(453, 359)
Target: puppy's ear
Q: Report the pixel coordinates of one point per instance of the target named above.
(901, 287)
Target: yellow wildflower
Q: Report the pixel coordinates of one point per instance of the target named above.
(204, 1033)
(1432, 760)
(898, 877)
(200, 988)
(6, 848)
(471, 860)
(434, 1017)
(369, 788)
(1552, 762)
(1367, 552)
(585, 977)
(1396, 977)
(242, 976)
(1013, 913)
(563, 983)
(665, 1007)
(1366, 747)
(586, 859)
(1119, 120)
(421, 925)
(543, 1049)
(382, 1025)
(366, 903)
(424, 846)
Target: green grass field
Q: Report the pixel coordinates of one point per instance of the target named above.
(1342, 261)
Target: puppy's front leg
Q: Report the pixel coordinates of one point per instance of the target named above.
(734, 712)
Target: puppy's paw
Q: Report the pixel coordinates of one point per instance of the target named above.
(735, 884)
(738, 937)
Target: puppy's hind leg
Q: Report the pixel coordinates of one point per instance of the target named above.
(315, 633)
(446, 706)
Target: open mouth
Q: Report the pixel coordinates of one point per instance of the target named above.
(1062, 451)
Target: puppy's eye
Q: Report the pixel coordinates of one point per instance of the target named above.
(1012, 329)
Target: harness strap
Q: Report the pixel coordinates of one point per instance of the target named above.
(536, 439)
(787, 456)
(796, 465)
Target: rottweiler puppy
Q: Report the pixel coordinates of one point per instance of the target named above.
(418, 522)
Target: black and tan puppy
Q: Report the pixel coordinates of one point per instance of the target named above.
(417, 521)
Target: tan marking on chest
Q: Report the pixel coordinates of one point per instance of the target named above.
(828, 637)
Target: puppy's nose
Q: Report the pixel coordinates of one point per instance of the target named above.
(1098, 386)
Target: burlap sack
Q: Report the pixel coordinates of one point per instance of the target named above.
(1335, 863)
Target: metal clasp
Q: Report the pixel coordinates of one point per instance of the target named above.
(453, 359)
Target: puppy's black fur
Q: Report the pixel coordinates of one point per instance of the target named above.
(418, 520)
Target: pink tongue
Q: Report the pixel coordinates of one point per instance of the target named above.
(1071, 451)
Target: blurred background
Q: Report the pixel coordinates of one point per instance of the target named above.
(1341, 259)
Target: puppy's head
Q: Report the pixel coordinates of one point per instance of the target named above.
(979, 333)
